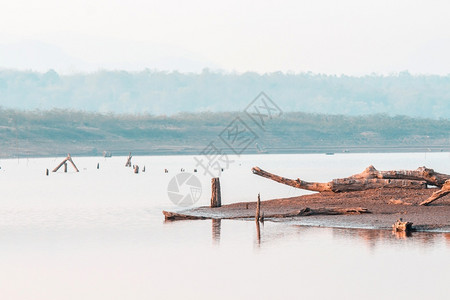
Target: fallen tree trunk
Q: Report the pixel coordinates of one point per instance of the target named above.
(322, 211)
(173, 216)
(420, 174)
(445, 190)
(357, 182)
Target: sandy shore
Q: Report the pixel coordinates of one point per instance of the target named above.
(385, 206)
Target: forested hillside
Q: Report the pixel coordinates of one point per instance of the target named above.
(160, 93)
(35, 133)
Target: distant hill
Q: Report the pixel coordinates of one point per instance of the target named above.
(58, 132)
(163, 93)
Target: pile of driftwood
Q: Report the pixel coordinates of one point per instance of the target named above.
(371, 178)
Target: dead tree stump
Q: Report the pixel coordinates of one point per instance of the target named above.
(402, 226)
(216, 200)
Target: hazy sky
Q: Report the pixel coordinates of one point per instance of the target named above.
(323, 36)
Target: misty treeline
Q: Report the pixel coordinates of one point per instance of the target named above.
(41, 132)
(159, 93)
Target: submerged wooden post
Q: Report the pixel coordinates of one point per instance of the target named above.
(64, 162)
(128, 164)
(69, 158)
(60, 165)
(258, 204)
(216, 200)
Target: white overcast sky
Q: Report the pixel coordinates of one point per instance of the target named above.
(322, 36)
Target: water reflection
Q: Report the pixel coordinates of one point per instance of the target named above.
(258, 234)
(447, 238)
(401, 235)
(374, 237)
(371, 237)
(270, 234)
(215, 226)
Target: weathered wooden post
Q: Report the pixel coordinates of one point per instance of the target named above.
(98, 166)
(46, 172)
(136, 169)
(258, 204)
(128, 164)
(69, 159)
(64, 162)
(216, 200)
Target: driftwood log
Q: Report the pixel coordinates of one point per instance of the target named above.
(445, 190)
(420, 174)
(187, 215)
(322, 211)
(370, 178)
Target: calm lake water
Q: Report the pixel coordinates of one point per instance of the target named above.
(100, 234)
